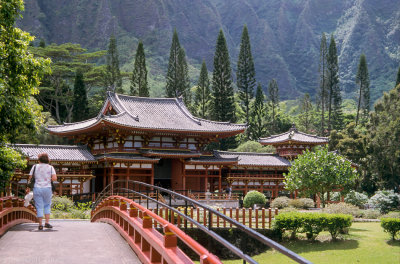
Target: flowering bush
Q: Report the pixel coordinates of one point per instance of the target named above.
(342, 208)
(280, 202)
(302, 203)
(356, 198)
(385, 200)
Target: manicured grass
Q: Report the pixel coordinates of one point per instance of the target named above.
(365, 243)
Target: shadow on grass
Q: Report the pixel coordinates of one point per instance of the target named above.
(358, 229)
(395, 243)
(303, 246)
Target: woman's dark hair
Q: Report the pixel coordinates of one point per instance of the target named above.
(43, 158)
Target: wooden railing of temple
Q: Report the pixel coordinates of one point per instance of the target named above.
(13, 212)
(137, 223)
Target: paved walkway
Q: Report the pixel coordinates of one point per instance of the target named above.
(68, 242)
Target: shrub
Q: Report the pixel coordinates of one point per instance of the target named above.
(333, 196)
(385, 200)
(280, 202)
(336, 223)
(391, 215)
(288, 222)
(391, 226)
(356, 198)
(254, 197)
(342, 208)
(302, 203)
(370, 214)
(62, 203)
(312, 223)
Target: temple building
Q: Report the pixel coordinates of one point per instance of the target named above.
(158, 141)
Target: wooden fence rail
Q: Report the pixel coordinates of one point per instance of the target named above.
(253, 218)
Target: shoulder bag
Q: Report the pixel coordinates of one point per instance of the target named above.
(31, 183)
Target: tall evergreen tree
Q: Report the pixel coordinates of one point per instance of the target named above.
(306, 116)
(113, 74)
(203, 93)
(223, 104)
(139, 85)
(245, 73)
(80, 101)
(257, 123)
(362, 80)
(183, 82)
(273, 102)
(323, 84)
(172, 72)
(398, 77)
(335, 113)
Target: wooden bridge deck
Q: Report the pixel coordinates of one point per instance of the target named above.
(68, 242)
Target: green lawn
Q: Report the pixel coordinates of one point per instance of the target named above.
(365, 243)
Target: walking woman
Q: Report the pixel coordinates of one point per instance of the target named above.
(42, 193)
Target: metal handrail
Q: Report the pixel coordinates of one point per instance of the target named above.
(263, 239)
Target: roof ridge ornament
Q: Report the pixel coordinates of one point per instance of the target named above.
(293, 128)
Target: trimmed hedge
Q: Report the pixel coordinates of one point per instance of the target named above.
(254, 197)
(312, 223)
(391, 226)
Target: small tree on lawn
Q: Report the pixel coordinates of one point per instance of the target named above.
(320, 172)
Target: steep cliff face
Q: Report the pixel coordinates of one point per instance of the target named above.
(285, 35)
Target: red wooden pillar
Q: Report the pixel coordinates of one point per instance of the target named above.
(152, 174)
(220, 180)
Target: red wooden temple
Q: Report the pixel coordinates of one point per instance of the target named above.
(158, 141)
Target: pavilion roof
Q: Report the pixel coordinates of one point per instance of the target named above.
(255, 159)
(293, 135)
(149, 114)
(56, 152)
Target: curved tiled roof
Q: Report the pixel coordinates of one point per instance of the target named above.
(56, 152)
(255, 159)
(295, 136)
(151, 113)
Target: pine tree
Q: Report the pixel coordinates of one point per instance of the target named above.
(223, 104)
(42, 44)
(398, 77)
(172, 72)
(113, 74)
(362, 80)
(80, 101)
(257, 123)
(203, 93)
(139, 85)
(323, 85)
(306, 113)
(335, 113)
(183, 82)
(245, 73)
(273, 102)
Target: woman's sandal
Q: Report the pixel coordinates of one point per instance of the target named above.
(40, 227)
(47, 225)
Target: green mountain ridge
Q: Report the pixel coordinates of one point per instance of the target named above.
(285, 35)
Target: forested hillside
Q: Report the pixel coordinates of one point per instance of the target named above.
(285, 35)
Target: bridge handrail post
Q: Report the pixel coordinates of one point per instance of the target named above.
(147, 221)
(170, 238)
(1, 205)
(133, 211)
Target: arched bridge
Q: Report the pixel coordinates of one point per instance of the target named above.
(152, 220)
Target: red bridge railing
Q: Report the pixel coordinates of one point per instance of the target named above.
(137, 225)
(13, 212)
